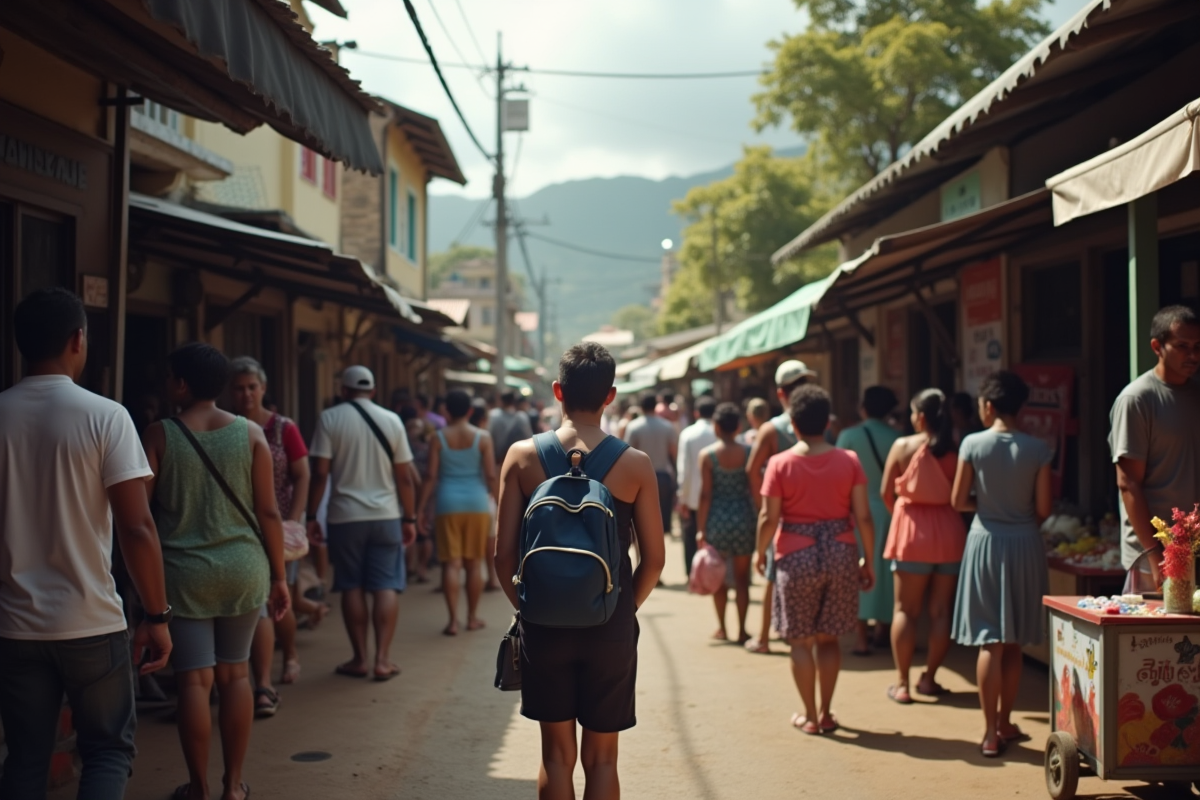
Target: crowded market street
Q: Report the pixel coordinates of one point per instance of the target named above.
(712, 723)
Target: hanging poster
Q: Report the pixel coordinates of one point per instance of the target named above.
(1047, 413)
(981, 287)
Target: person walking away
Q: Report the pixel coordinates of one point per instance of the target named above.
(583, 675)
(809, 493)
(774, 436)
(725, 518)
(657, 438)
(506, 426)
(289, 460)
(213, 496)
(692, 440)
(71, 471)
(420, 434)
(462, 479)
(1155, 436)
(362, 450)
(427, 414)
(998, 604)
(925, 539)
(871, 440)
(757, 415)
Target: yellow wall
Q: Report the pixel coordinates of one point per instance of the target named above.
(35, 80)
(316, 214)
(413, 177)
(257, 178)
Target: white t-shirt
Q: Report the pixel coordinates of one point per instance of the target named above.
(61, 447)
(364, 484)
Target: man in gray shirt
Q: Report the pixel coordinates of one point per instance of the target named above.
(1155, 438)
(657, 438)
(507, 426)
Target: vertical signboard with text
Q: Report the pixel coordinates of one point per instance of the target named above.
(982, 293)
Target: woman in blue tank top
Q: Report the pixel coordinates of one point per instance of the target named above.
(462, 476)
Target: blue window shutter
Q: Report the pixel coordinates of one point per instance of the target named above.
(393, 198)
(412, 227)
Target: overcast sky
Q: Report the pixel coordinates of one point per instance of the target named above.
(582, 127)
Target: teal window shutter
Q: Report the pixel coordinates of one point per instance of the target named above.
(393, 211)
(412, 227)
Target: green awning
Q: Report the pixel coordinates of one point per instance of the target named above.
(783, 324)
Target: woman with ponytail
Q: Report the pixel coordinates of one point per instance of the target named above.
(926, 539)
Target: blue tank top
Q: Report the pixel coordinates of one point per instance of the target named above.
(461, 488)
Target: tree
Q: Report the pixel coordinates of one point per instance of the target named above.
(755, 211)
(869, 78)
(443, 264)
(636, 318)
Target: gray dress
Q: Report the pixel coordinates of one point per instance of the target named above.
(1003, 574)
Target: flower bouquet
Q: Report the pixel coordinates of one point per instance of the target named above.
(1181, 542)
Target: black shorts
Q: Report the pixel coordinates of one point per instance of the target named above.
(571, 675)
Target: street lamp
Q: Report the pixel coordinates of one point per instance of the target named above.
(667, 244)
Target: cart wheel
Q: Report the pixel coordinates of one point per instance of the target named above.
(1062, 766)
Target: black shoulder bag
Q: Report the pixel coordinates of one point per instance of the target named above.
(508, 660)
(874, 449)
(220, 479)
(387, 447)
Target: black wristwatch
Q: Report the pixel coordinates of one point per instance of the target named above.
(161, 619)
(408, 520)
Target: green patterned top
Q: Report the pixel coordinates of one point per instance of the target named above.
(214, 563)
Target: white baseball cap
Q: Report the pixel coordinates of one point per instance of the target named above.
(358, 378)
(791, 371)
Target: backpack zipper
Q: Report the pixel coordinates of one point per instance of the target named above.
(554, 501)
(607, 573)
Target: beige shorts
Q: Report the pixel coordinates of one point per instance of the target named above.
(462, 536)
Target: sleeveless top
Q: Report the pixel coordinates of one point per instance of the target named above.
(461, 488)
(925, 527)
(285, 490)
(730, 510)
(214, 563)
(784, 433)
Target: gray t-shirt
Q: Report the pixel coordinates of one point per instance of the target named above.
(507, 428)
(655, 437)
(1006, 467)
(1155, 422)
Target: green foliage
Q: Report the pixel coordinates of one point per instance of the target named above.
(869, 78)
(758, 209)
(636, 318)
(443, 264)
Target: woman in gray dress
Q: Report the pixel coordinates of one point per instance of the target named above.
(999, 602)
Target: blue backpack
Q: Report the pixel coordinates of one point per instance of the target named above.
(569, 573)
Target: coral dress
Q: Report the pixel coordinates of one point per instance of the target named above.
(925, 527)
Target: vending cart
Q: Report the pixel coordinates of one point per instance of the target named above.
(1124, 696)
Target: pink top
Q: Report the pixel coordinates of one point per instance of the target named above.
(925, 527)
(812, 489)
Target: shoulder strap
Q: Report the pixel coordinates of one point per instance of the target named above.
(442, 438)
(387, 447)
(601, 458)
(551, 454)
(874, 449)
(220, 479)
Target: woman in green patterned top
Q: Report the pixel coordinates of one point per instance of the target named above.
(220, 565)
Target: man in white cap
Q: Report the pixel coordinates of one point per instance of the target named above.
(371, 517)
(775, 436)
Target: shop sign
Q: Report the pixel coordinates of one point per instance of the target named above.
(1075, 659)
(981, 291)
(961, 197)
(1158, 697)
(94, 289)
(1047, 413)
(19, 154)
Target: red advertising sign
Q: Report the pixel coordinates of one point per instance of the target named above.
(982, 298)
(1047, 413)
(981, 293)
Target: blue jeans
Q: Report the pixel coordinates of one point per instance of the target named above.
(96, 675)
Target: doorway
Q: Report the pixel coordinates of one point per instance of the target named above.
(145, 369)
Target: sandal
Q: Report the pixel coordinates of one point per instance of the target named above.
(805, 725)
(832, 726)
(755, 646)
(935, 688)
(993, 752)
(182, 792)
(291, 671)
(268, 709)
(899, 694)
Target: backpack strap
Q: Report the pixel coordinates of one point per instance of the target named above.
(552, 455)
(602, 457)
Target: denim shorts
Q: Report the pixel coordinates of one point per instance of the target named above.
(203, 643)
(367, 555)
(925, 568)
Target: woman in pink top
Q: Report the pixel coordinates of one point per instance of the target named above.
(809, 493)
(926, 540)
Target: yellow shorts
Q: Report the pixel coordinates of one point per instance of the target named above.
(462, 536)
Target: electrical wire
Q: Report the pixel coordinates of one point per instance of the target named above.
(579, 73)
(472, 221)
(470, 31)
(412, 14)
(591, 252)
(630, 121)
(454, 44)
(512, 172)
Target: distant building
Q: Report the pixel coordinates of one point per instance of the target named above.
(475, 282)
(610, 337)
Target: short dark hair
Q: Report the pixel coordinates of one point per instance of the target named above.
(479, 411)
(586, 373)
(648, 401)
(1005, 390)
(667, 397)
(727, 416)
(45, 321)
(706, 406)
(407, 413)
(1169, 317)
(508, 398)
(809, 408)
(204, 369)
(458, 404)
(878, 401)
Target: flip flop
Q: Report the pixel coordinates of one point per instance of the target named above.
(383, 677)
(182, 792)
(342, 669)
(805, 725)
(833, 726)
(898, 694)
(992, 753)
(754, 646)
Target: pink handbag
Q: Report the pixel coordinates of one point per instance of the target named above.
(295, 541)
(708, 571)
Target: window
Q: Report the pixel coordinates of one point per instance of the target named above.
(487, 315)
(329, 178)
(308, 165)
(159, 113)
(412, 227)
(485, 283)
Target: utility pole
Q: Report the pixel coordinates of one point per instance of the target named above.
(718, 306)
(501, 319)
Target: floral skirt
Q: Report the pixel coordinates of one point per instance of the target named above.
(816, 589)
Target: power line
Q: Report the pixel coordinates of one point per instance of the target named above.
(412, 13)
(472, 221)
(470, 31)
(630, 121)
(591, 252)
(580, 73)
(454, 44)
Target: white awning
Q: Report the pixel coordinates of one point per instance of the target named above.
(1168, 152)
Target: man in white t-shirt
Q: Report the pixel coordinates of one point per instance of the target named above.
(71, 466)
(371, 516)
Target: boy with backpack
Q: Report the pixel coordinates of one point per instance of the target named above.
(571, 503)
